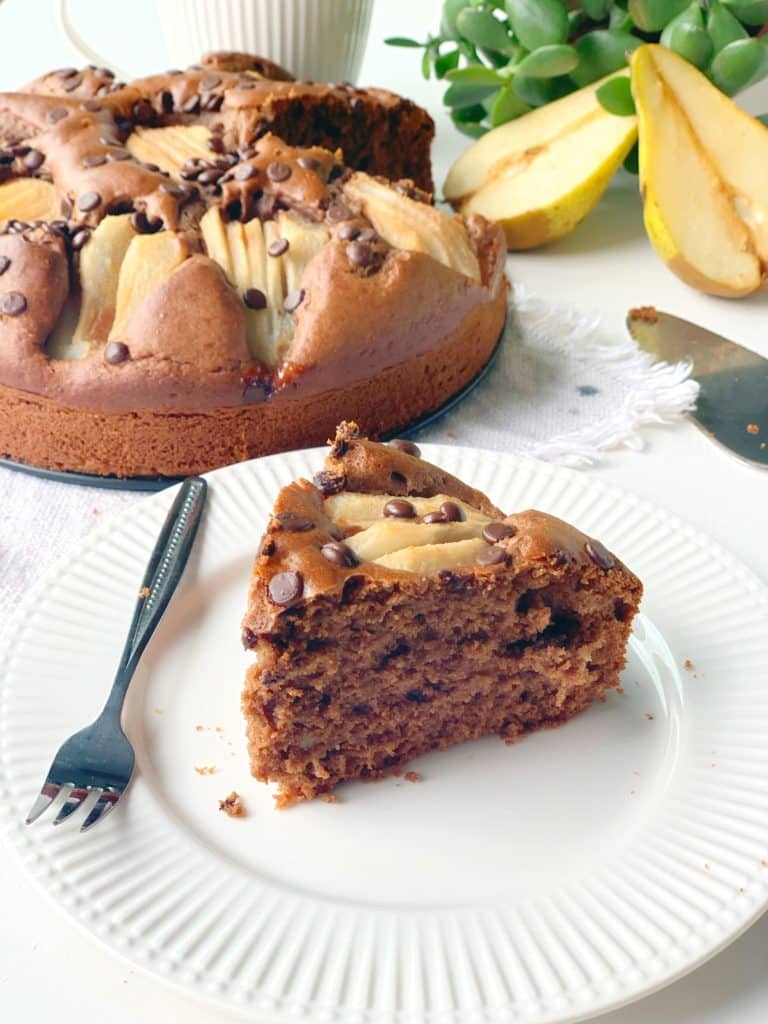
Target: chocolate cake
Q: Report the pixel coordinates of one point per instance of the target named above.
(181, 288)
(394, 610)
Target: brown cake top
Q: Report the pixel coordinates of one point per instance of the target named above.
(379, 516)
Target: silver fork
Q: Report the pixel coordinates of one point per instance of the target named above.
(100, 759)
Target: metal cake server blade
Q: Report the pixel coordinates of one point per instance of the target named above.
(732, 407)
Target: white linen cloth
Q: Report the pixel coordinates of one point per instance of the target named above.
(559, 390)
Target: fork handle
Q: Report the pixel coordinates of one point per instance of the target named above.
(164, 569)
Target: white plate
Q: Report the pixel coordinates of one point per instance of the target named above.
(543, 882)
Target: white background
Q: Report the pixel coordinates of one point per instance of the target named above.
(48, 971)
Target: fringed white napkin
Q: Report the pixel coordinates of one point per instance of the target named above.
(558, 390)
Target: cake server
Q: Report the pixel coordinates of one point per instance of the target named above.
(99, 759)
(732, 407)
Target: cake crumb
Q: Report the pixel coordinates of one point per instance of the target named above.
(619, 689)
(218, 729)
(688, 665)
(706, 867)
(205, 769)
(646, 314)
(158, 711)
(753, 428)
(95, 511)
(412, 777)
(232, 805)
(764, 863)
(649, 716)
(199, 728)
(741, 888)
(144, 592)
(329, 798)
(633, 792)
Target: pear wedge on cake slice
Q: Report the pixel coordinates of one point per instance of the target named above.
(540, 175)
(703, 176)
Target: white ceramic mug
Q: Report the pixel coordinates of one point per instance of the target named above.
(321, 40)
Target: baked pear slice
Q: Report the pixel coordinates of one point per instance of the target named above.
(149, 261)
(408, 224)
(28, 199)
(169, 148)
(243, 253)
(100, 261)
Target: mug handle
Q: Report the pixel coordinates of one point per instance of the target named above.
(62, 11)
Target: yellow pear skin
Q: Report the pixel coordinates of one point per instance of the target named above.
(704, 203)
(541, 174)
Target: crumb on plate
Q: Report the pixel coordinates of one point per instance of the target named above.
(232, 805)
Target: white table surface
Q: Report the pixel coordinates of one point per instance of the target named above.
(48, 969)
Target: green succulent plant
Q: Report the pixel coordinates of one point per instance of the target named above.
(501, 58)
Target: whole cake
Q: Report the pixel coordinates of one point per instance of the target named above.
(182, 287)
(393, 610)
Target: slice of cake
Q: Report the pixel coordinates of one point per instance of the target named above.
(393, 610)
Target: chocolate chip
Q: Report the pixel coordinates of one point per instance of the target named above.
(399, 508)
(266, 207)
(105, 73)
(267, 546)
(491, 556)
(338, 212)
(5, 157)
(368, 235)
(246, 85)
(80, 238)
(177, 191)
(293, 300)
(92, 106)
(190, 105)
(255, 299)
(348, 231)
(65, 72)
(406, 446)
(434, 517)
(94, 160)
(452, 512)
(210, 175)
(599, 554)
(119, 154)
(294, 522)
(13, 304)
(166, 101)
(5, 262)
(89, 201)
(33, 160)
(278, 171)
(308, 163)
(215, 144)
(209, 82)
(359, 254)
(286, 588)
(116, 352)
(72, 84)
(145, 225)
(328, 483)
(143, 111)
(278, 247)
(494, 532)
(339, 554)
(56, 115)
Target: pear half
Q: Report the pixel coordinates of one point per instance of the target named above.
(540, 175)
(702, 176)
